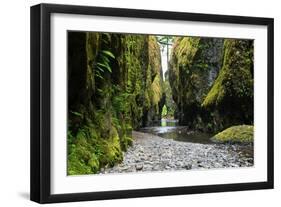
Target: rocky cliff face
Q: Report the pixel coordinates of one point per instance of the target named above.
(194, 65)
(231, 96)
(212, 82)
(114, 85)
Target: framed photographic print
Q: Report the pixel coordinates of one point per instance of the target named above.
(132, 103)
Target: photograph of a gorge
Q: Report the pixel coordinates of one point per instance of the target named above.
(147, 103)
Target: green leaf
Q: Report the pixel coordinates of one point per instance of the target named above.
(105, 59)
(108, 53)
(100, 68)
(106, 66)
(99, 75)
(107, 35)
(76, 113)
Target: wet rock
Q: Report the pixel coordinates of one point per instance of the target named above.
(178, 156)
(188, 166)
(141, 150)
(156, 168)
(139, 166)
(167, 167)
(143, 158)
(179, 164)
(148, 163)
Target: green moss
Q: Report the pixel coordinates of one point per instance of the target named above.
(90, 150)
(186, 49)
(94, 163)
(156, 90)
(128, 141)
(115, 95)
(193, 61)
(217, 92)
(79, 154)
(154, 56)
(77, 167)
(169, 102)
(182, 57)
(231, 96)
(112, 149)
(235, 78)
(140, 61)
(236, 134)
(92, 48)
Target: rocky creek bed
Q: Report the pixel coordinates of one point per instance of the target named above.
(153, 153)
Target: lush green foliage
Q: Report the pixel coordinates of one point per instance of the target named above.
(115, 85)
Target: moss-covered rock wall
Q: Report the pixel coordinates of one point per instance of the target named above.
(232, 94)
(212, 82)
(170, 106)
(114, 85)
(193, 67)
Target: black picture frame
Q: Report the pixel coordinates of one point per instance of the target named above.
(41, 95)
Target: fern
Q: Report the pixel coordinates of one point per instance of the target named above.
(103, 63)
(108, 53)
(76, 113)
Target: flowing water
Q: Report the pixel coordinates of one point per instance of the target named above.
(167, 146)
(169, 129)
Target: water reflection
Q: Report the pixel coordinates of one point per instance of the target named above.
(169, 122)
(170, 129)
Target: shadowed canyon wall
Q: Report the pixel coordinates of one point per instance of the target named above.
(114, 86)
(212, 82)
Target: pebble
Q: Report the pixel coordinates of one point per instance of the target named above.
(153, 153)
(139, 166)
(188, 166)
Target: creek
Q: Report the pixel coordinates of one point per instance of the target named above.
(167, 146)
(169, 129)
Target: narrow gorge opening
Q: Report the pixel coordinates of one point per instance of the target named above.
(168, 108)
(149, 103)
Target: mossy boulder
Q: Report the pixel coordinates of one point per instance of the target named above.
(236, 134)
